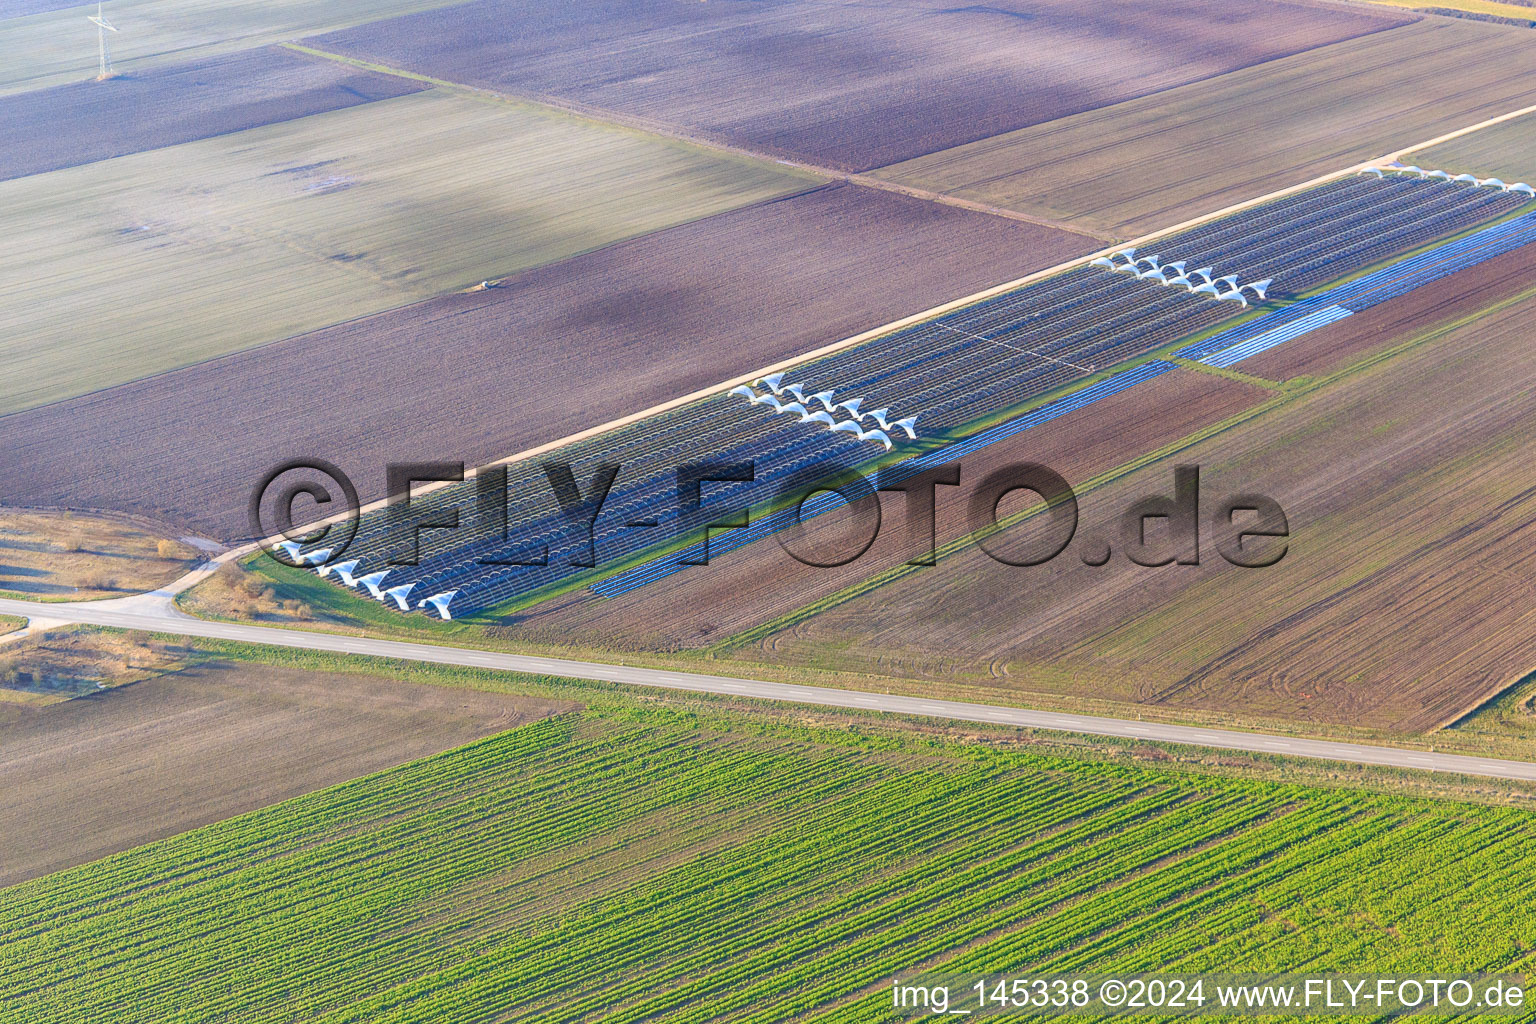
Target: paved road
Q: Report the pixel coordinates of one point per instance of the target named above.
(156, 612)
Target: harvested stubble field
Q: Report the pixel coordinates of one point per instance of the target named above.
(851, 86)
(1339, 344)
(79, 124)
(645, 864)
(86, 555)
(1138, 166)
(1404, 599)
(57, 46)
(108, 772)
(128, 267)
(1506, 151)
(483, 375)
(758, 583)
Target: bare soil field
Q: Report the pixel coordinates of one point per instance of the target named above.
(108, 772)
(483, 375)
(1144, 164)
(1339, 344)
(1404, 600)
(56, 46)
(78, 124)
(851, 86)
(756, 584)
(213, 246)
(1506, 151)
(80, 555)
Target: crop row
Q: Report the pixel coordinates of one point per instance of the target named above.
(589, 868)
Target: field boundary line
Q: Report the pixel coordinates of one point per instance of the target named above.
(1458, 133)
(1280, 398)
(913, 192)
(1465, 715)
(538, 106)
(240, 551)
(630, 122)
(1228, 374)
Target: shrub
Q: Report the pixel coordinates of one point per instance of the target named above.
(99, 581)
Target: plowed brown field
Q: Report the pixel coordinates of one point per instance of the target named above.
(1447, 299)
(124, 767)
(1506, 151)
(1406, 596)
(1144, 164)
(760, 582)
(483, 375)
(846, 85)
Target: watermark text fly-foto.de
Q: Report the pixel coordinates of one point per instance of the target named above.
(933, 995)
(1246, 529)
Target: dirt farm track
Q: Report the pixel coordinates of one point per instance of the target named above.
(850, 86)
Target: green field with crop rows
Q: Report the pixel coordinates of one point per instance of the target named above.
(654, 865)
